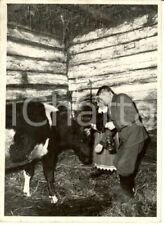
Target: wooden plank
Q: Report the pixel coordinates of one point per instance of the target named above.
(133, 62)
(139, 91)
(17, 77)
(22, 49)
(142, 105)
(130, 75)
(145, 95)
(115, 40)
(97, 84)
(44, 98)
(143, 45)
(124, 27)
(22, 93)
(136, 91)
(140, 76)
(149, 108)
(27, 64)
(115, 70)
(37, 86)
(28, 35)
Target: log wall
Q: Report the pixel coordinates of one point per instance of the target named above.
(36, 65)
(123, 57)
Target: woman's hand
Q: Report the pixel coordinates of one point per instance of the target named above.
(110, 125)
(98, 148)
(93, 126)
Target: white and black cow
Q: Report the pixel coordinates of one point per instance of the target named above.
(44, 140)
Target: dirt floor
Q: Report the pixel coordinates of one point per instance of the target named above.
(79, 195)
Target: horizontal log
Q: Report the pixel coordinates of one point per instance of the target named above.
(122, 64)
(141, 46)
(145, 95)
(25, 34)
(136, 91)
(139, 91)
(116, 83)
(131, 75)
(115, 40)
(44, 98)
(116, 70)
(124, 27)
(37, 86)
(138, 76)
(27, 64)
(146, 107)
(32, 93)
(22, 49)
(17, 77)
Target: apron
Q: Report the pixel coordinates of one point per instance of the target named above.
(103, 160)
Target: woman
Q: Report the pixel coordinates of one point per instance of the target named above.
(103, 157)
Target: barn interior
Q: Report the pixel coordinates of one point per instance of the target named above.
(70, 51)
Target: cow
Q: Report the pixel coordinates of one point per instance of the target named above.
(38, 137)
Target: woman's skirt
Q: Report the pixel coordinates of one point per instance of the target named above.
(103, 160)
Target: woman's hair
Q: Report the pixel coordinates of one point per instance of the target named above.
(104, 88)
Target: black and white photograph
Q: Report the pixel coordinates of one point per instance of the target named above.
(81, 119)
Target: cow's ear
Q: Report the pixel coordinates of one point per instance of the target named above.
(87, 131)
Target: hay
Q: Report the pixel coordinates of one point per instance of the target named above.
(78, 194)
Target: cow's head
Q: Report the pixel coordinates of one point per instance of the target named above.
(83, 145)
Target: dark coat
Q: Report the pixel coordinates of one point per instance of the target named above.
(126, 120)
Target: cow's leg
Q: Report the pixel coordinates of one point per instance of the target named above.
(49, 162)
(28, 175)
